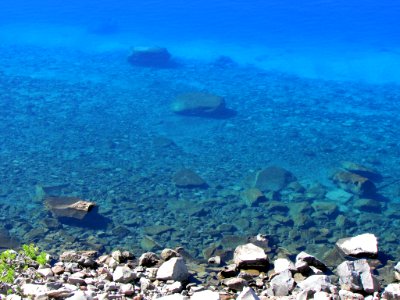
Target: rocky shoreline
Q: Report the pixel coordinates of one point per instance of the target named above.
(249, 273)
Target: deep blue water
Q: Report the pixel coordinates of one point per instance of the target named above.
(311, 84)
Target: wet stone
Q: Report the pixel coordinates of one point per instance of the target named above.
(271, 179)
(186, 178)
(156, 57)
(198, 104)
(355, 183)
(69, 207)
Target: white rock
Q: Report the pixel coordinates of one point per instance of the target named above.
(46, 272)
(347, 295)
(364, 244)
(123, 274)
(209, 295)
(282, 284)
(283, 264)
(356, 276)
(13, 297)
(175, 287)
(310, 260)
(322, 296)
(250, 255)
(248, 294)
(316, 283)
(127, 289)
(33, 290)
(173, 269)
(392, 292)
(79, 295)
(173, 297)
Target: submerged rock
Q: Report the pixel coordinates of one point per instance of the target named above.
(361, 170)
(186, 178)
(198, 104)
(69, 207)
(271, 179)
(156, 57)
(364, 244)
(355, 183)
(252, 196)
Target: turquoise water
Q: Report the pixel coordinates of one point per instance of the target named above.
(310, 84)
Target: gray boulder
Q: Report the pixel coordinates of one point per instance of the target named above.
(316, 283)
(356, 276)
(283, 264)
(282, 284)
(124, 274)
(248, 294)
(392, 292)
(347, 295)
(304, 261)
(271, 179)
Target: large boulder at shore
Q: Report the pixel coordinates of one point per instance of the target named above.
(173, 269)
(156, 57)
(69, 207)
(250, 256)
(361, 245)
(270, 179)
(186, 178)
(199, 104)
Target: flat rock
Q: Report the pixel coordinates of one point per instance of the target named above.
(205, 295)
(186, 178)
(347, 295)
(364, 244)
(124, 274)
(173, 269)
(339, 196)
(283, 264)
(156, 57)
(271, 179)
(198, 104)
(250, 256)
(316, 283)
(69, 207)
(282, 284)
(236, 284)
(367, 205)
(361, 170)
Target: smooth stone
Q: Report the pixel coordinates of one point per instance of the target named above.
(198, 104)
(364, 244)
(354, 183)
(282, 284)
(271, 179)
(173, 269)
(156, 57)
(186, 178)
(316, 283)
(283, 264)
(339, 196)
(252, 196)
(347, 295)
(235, 284)
(148, 259)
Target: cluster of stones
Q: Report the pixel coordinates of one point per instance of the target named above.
(248, 276)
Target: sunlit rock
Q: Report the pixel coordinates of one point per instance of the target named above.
(364, 244)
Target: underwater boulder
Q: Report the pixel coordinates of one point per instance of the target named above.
(155, 57)
(6, 241)
(186, 178)
(199, 104)
(361, 170)
(69, 207)
(355, 183)
(270, 179)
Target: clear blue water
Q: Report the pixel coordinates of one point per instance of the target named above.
(312, 83)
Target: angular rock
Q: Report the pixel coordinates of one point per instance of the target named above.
(33, 290)
(69, 207)
(271, 179)
(173, 269)
(283, 264)
(156, 57)
(167, 254)
(203, 295)
(282, 284)
(250, 256)
(316, 283)
(186, 178)
(236, 284)
(252, 196)
(198, 104)
(356, 276)
(124, 274)
(361, 170)
(355, 183)
(310, 260)
(247, 294)
(347, 295)
(364, 244)
(392, 292)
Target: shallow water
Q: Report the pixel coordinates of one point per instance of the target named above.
(312, 85)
